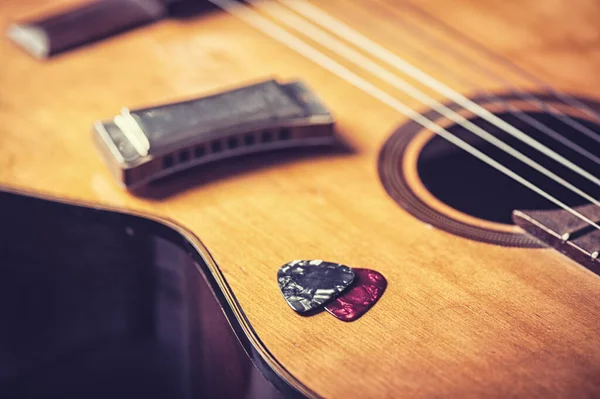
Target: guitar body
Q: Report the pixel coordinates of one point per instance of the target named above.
(461, 317)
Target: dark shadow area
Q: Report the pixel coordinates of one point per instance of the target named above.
(313, 312)
(189, 9)
(97, 304)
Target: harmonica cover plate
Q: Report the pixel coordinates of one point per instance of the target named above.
(142, 145)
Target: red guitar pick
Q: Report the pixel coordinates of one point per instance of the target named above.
(365, 291)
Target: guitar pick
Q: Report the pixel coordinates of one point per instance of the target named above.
(367, 288)
(308, 284)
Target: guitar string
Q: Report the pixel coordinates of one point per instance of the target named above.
(254, 19)
(498, 59)
(524, 117)
(342, 30)
(475, 65)
(286, 17)
(521, 115)
(531, 98)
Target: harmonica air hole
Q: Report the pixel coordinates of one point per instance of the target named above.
(266, 136)
(249, 139)
(184, 156)
(232, 143)
(216, 146)
(285, 134)
(168, 161)
(199, 151)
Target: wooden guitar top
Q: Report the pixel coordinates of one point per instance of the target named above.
(459, 318)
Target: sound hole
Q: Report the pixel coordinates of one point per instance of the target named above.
(413, 159)
(467, 184)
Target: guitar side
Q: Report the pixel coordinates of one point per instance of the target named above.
(459, 317)
(103, 303)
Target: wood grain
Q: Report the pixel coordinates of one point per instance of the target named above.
(459, 318)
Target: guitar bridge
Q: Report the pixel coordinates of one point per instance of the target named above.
(146, 144)
(566, 233)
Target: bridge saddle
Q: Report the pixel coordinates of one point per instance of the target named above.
(566, 232)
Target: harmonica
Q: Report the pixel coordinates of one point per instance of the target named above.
(146, 144)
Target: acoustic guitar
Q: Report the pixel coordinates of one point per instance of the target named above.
(453, 148)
